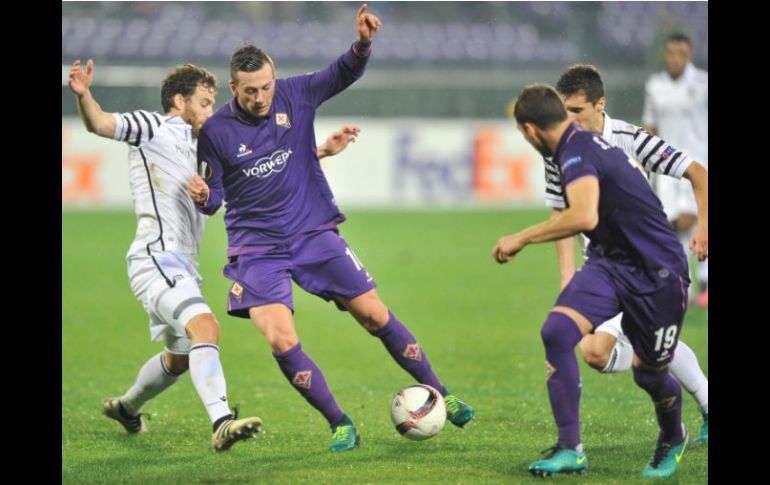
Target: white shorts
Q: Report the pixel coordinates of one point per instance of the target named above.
(676, 195)
(169, 307)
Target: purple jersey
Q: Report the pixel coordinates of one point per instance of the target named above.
(633, 237)
(266, 168)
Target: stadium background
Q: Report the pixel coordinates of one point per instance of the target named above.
(437, 175)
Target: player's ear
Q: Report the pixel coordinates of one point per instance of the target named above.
(233, 88)
(601, 103)
(178, 101)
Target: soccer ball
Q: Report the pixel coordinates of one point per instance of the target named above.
(418, 412)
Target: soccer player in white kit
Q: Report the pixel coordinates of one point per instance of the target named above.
(676, 107)
(608, 349)
(161, 266)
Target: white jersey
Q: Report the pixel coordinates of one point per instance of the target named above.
(162, 158)
(679, 109)
(652, 152)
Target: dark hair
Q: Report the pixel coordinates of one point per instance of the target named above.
(582, 77)
(541, 105)
(184, 80)
(248, 58)
(679, 37)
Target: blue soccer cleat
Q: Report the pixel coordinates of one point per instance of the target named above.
(457, 412)
(560, 460)
(344, 436)
(665, 459)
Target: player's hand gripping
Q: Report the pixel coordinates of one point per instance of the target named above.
(198, 190)
(366, 24)
(80, 80)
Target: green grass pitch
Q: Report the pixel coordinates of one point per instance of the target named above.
(478, 322)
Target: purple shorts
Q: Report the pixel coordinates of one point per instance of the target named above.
(651, 321)
(320, 263)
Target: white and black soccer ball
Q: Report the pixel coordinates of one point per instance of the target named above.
(418, 411)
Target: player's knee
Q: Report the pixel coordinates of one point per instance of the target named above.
(370, 312)
(592, 353)
(280, 335)
(203, 328)
(594, 359)
(560, 332)
(648, 378)
(282, 341)
(178, 364)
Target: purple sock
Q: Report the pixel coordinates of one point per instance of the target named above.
(560, 336)
(666, 394)
(307, 378)
(406, 351)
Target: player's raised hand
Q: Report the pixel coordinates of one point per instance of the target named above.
(198, 189)
(699, 243)
(367, 25)
(506, 248)
(339, 140)
(80, 80)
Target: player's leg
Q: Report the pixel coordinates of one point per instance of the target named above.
(262, 292)
(590, 297)
(182, 308)
(653, 323)
(327, 267)
(156, 375)
(403, 346)
(685, 368)
(160, 371)
(607, 349)
(275, 322)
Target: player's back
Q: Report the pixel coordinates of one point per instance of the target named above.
(162, 158)
(633, 233)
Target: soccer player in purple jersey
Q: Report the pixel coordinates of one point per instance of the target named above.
(161, 261)
(281, 221)
(608, 349)
(635, 265)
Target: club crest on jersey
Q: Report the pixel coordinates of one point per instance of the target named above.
(412, 351)
(303, 379)
(237, 291)
(667, 152)
(243, 151)
(549, 370)
(282, 119)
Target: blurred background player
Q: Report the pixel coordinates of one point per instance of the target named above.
(634, 265)
(676, 108)
(161, 265)
(608, 349)
(281, 221)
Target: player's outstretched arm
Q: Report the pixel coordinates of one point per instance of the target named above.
(699, 178)
(338, 141)
(366, 24)
(92, 115)
(581, 216)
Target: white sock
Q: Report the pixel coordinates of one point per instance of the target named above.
(153, 379)
(684, 367)
(209, 379)
(622, 355)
